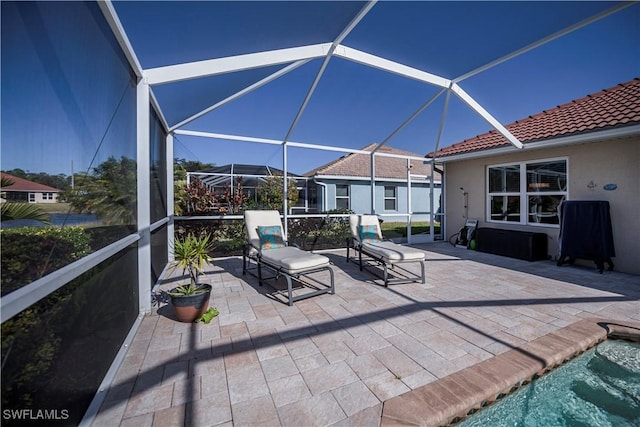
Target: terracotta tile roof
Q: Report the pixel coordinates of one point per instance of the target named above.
(20, 184)
(358, 165)
(614, 107)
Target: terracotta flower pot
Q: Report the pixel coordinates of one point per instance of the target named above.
(188, 308)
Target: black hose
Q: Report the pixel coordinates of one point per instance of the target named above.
(456, 235)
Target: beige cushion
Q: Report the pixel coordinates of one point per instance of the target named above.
(393, 252)
(293, 260)
(253, 219)
(356, 220)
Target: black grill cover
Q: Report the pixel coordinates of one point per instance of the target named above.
(585, 231)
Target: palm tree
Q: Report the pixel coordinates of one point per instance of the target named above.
(13, 210)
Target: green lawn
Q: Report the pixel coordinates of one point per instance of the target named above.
(399, 229)
(54, 207)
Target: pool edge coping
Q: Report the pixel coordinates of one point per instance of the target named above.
(452, 398)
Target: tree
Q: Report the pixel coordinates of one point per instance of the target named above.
(270, 194)
(10, 210)
(182, 166)
(200, 199)
(180, 169)
(233, 200)
(180, 197)
(109, 192)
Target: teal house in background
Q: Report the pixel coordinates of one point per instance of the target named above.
(402, 188)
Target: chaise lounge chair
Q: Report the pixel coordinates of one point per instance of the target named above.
(267, 248)
(366, 239)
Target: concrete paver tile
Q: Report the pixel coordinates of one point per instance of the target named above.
(149, 401)
(157, 358)
(366, 366)
(213, 383)
(175, 371)
(186, 390)
(169, 417)
(329, 377)
(386, 385)
(206, 366)
(239, 359)
(354, 397)
(367, 343)
(288, 390)
(246, 383)
(304, 350)
(164, 342)
(396, 361)
(321, 360)
(311, 362)
(369, 417)
(208, 412)
(271, 350)
(318, 410)
(278, 367)
(220, 346)
(145, 420)
(419, 379)
(148, 379)
(256, 412)
(337, 352)
(110, 413)
(384, 329)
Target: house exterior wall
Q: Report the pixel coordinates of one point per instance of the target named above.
(360, 198)
(601, 163)
(31, 197)
(46, 198)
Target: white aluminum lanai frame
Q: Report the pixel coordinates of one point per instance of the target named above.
(23, 298)
(295, 57)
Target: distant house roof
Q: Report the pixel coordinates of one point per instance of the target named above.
(611, 108)
(358, 165)
(251, 175)
(241, 169)
(23, 185)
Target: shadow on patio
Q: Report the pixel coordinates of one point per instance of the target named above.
(333, 359)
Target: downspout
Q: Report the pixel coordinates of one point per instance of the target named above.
(324, 194)
(409, 211)
(372, 161)
(231, 181)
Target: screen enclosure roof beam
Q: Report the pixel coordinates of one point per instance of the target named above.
(228, 137)
(210, 67)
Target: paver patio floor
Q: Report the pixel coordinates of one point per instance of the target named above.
(332, 360)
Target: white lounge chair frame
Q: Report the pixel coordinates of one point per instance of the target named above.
(284, 266)
(380, 258)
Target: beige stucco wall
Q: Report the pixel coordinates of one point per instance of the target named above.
(39, 198)
(613, 162)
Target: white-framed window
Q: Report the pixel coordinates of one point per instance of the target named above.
(32, 197)
(390, 198)
(342, 196)
(527, 192)
(47, 196)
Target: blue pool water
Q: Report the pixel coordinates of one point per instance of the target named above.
(601, 387)
(58, 219)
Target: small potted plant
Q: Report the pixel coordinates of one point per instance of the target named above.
(191, 254)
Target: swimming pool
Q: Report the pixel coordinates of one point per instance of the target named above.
(601, 387)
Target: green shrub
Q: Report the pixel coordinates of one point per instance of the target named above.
(29, 253)
(320, 233)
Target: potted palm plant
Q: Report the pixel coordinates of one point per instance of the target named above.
(191, 254)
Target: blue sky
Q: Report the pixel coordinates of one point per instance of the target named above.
(354, 105)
